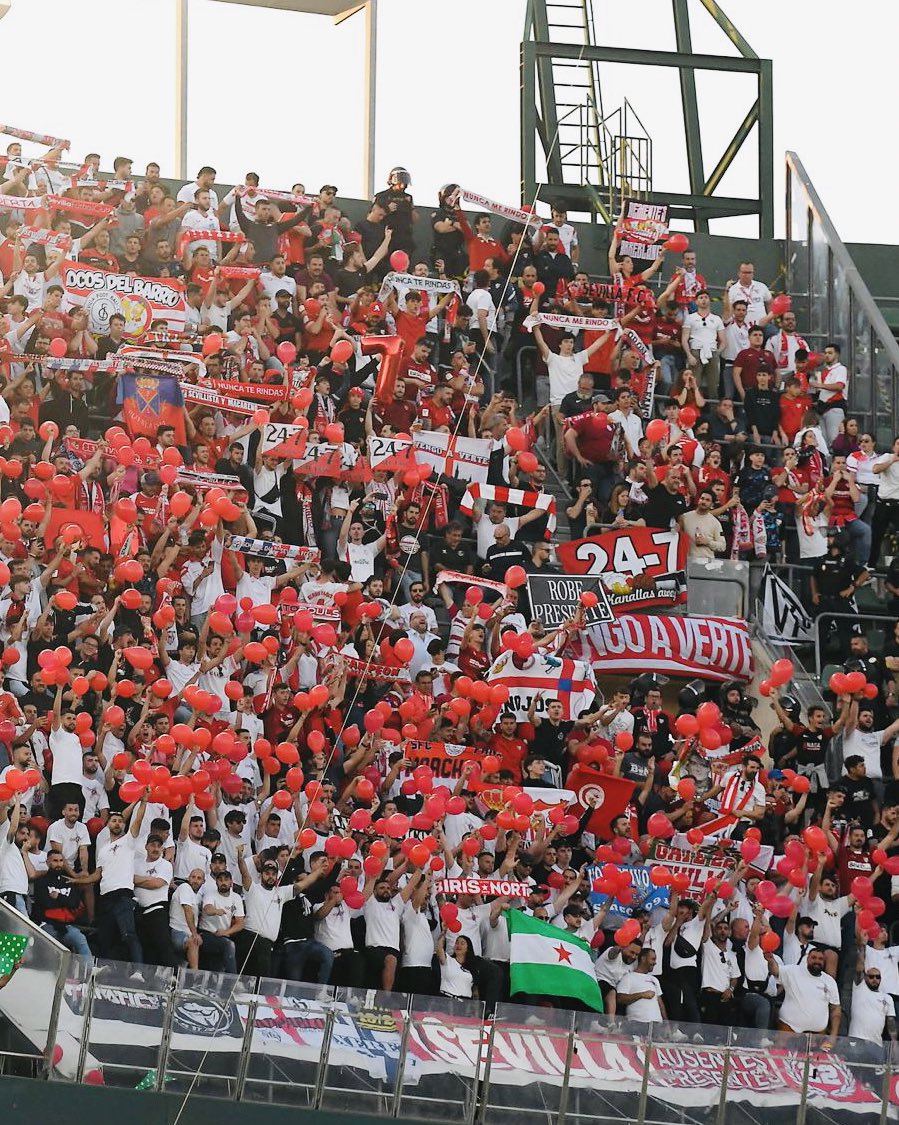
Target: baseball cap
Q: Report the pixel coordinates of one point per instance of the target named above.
(600, 396)
(262, 199)
(804, 920)
(269, 865)
(219, 857)
(540, 889)
(328, 187)
(775, 775)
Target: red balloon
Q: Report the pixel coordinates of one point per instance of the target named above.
(656, 429)
(399, 261)
(212, 343)
(286, 351)
(515, 577)
(677, 243)
(342, 351)
(58, 347)
(527, 461)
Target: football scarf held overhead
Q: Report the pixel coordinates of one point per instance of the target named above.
(247, 545)
(446, 759)
(79, 206)
(499, 494)
(406, 281)
(261, 392)
(199, 394)
(470, 580)
(526, 218)
(571, 323)
(37, 138)
(21, 203)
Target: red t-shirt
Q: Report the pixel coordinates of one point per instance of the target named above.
(410, 328)
(595, 434)
(510, 751)
(792, 411)
(419, 378)
(600, 363)
(751, 361)
(437, 415)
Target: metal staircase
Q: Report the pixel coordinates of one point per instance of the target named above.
(590, 157)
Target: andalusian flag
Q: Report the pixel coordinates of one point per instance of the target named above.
(547, 961)
(12, 949)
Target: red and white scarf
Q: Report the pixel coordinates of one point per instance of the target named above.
(526, 218)
(543, 501)
(37, 138)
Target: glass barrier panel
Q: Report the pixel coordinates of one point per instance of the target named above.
(363, 1068)
(286, 1044)
(847, 1081)
(26, 1001)
(885, 407)
(443, 1055)
(686, 1069)
(765, 1075)
(526, 1064)
(72, 1015)
(208, 1029)
(607, 1070)
(841, 327)
(798, 264)
(126, 1028)
(819, 253)
(863, 366)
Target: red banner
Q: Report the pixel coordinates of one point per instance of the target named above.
(715, 648)
(613, 794)
(140, 300)
(639, 566)
(446, 759)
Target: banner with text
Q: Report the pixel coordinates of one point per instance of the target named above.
(638, 566)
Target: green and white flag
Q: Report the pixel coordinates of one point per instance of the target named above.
(547, 961)
(12, 950)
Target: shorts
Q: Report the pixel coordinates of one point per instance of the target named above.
(180, 938)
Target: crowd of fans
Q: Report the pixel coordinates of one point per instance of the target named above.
(206, 717)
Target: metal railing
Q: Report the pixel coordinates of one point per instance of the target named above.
(838, 304)
(429, 1058)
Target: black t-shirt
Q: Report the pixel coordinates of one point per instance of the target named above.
(811, 745)
(859, 803)
(449, 246)
(635, 767)
(834, 574)
(450, 558)
(502, 556)
(662, 506)
(551, 742)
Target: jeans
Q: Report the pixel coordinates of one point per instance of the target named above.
(756, 1010)
(69, 936)
(16, 901)
(219, 949)
(297, 953)
(667, 374)
(859, 535)
(830, 423)
(115, 922)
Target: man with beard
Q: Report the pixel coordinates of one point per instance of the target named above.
(811, 997)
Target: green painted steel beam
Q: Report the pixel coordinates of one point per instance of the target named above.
(729, 29)
(746, 127)
(631, 56)
(547, 91)
(690, 107)
(766, 150)
(529, 123)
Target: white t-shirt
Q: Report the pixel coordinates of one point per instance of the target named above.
(827, 914)
(869, 1013)
(887, 960)
(67, 757)
(887, 481)
(264, 908)
(382, 923)
(186, 195)
(703, 334)
(153, 869)
(418, 941)
(117, 858)
(13, 876)
(756, 294)
(68, 839)
(259, 590)
(271, 285)
(95, 796)
(484, 530)
(454, 979)
(190, 855)
(231, 903)
(648, 1011)
(718, 973)
(830, 376)
(691, 932)
(807, 998)
(184, 895)
(334, 929)
(361, 557)
(32, 289)
(736, 339)
(607, 968)
(481, 299)
(865, 743)
(564, 372)
(193, 220)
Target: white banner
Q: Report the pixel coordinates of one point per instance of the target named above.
(785, 620)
